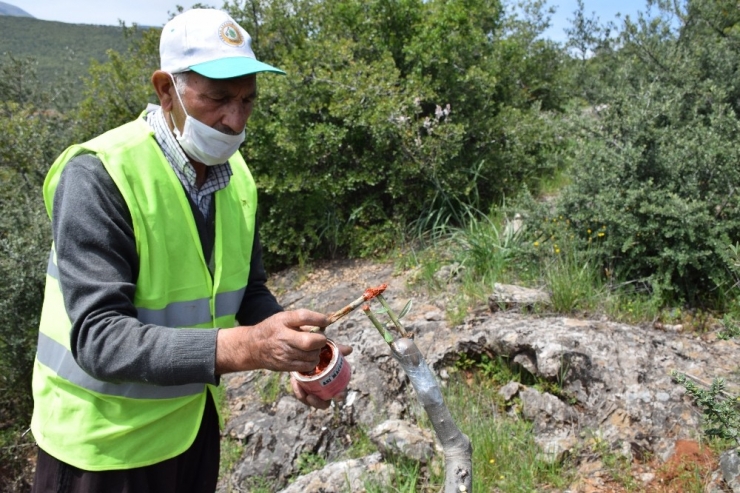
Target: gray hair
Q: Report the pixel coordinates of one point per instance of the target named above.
(181, 80)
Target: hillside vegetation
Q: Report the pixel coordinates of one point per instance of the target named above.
(604, 169)
(59, 49)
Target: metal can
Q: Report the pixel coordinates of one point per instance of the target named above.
(330, 376)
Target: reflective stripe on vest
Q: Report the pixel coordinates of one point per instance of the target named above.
(179, 313)
(60, 360)
(99, 426)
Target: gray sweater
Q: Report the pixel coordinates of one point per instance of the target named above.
(96, 256)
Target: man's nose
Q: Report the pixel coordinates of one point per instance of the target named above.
(236, 117)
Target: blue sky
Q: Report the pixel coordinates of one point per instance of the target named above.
(603, 9)
(155, 12)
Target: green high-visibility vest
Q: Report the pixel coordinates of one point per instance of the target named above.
(96, 425)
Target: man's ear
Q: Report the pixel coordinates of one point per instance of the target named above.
(163, 85)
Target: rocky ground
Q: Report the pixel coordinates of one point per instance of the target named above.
(617, 378)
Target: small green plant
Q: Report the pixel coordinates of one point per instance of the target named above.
(730, 329)
(231, 451)
(627, 305)
(618, 465)
(720, 409)
(494, 369)
(308, 462)
(405, 478)
(255, 485)
(269, 387)
(572, 277)
(360, 443)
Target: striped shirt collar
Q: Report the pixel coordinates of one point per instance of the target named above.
(217, 178)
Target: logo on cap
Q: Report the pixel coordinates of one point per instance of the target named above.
(230, 34)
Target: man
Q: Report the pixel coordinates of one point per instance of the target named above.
(155, 286)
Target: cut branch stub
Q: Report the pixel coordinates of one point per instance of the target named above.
(457, 447)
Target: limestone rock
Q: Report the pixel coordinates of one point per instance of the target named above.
(341, 476)
(613, 379)
(729, 464)
(508, 296)
(399, 437)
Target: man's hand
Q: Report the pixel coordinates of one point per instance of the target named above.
(312, 400)
(279, 344)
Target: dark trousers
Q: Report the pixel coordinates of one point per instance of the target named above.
(193, 471)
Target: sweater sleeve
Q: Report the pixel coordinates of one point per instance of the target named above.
(258, 303)
(98, 265)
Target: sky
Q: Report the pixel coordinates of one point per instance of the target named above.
(156, 12)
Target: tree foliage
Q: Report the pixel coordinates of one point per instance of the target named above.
(392, 111)
(30, 136)
(410, 113)
(60, 52)
(655, 167)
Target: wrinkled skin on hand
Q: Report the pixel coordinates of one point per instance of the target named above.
(278, 343)
(282, 342)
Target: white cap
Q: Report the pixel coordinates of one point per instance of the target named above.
(211, 43)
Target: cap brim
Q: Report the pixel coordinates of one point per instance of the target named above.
(226, 68)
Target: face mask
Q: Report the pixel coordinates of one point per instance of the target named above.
(205, 144)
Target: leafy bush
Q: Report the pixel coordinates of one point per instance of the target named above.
(24, 251)
(655, 171)
(30, 138)
(118, 90)
(391, 112)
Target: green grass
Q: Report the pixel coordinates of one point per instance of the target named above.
(405, 478)
(231, 452)
(573, 281)
(505, 455)
(360, 443)
(269, 385)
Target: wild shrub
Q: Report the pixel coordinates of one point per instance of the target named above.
(392, 112)
(25, 237)
(30, 137)
(655, 171)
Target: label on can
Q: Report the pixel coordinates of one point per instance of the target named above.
(333, 374)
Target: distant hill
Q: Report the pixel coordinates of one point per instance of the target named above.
(57, 47)
(7, 9)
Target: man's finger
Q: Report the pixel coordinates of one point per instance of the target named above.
(314, 401)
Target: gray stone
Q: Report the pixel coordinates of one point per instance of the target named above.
(545, 408)
(396, 437)
(509, 390)
(729, 464)
(508, 296)
(449, 273)
(615, 382)
(343, 476)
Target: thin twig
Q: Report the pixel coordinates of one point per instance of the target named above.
(369, 294)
